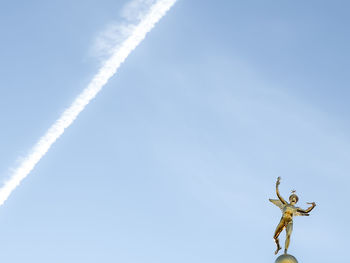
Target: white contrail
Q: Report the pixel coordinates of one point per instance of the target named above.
(155, 13)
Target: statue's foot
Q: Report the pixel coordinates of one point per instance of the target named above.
(278, 249)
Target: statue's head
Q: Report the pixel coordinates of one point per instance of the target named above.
(293, 199)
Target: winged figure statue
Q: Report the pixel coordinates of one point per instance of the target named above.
(289, 210)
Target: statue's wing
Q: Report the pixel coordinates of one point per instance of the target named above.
(300, 212)
(277, 202)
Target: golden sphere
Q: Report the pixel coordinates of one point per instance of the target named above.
(285, 258)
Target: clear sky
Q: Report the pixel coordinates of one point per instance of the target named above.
(175, 159)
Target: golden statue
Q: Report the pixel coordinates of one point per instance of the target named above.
(288, 211)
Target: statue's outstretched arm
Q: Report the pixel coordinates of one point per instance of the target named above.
(278, 192)
(313, 204)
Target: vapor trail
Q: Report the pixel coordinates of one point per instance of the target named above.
(109, 68)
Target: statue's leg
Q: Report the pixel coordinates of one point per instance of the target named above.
(276, 235)
(289, 230)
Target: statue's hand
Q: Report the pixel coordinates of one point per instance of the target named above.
(313, 204)
(278, 181)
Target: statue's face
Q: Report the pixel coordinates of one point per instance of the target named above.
(293, 200)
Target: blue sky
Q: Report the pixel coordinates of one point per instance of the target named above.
(175, 159)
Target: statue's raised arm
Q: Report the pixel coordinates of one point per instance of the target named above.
(278, 192)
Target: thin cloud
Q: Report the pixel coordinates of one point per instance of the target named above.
(115, 33)
(108, 69)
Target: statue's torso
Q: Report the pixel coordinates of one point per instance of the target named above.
(288, 212)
